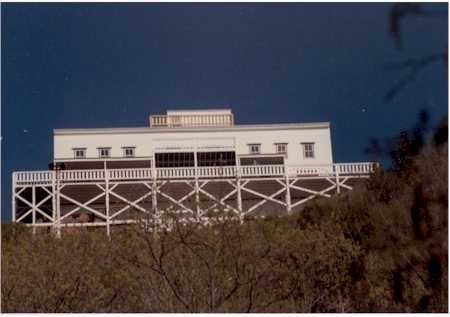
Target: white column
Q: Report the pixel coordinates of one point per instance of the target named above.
(238, 189)
(53, 196)
(336, 171)
(154, 194)
(58, 206)
(288, 190)
(108, 220)
(13, 198)
(197, 194)
(33, 203)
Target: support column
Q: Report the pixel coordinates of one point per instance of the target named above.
(58, 205)
(336, 172)
(239, 199)
(33, 203)
(197, 192)
(13, 198)
(238, 191)
(53, 197)
(156, 216)
(288, 190)
(108, 220)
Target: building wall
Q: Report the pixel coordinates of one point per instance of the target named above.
(148, 142)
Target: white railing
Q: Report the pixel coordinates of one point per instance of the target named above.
(175, 172)
(33, 177)
(198, 120)
(317, 170)
(262, 170)
(129, 173)
(81, 175)
(355, 168)
(66, 176)
(216, 171)
(158, 121)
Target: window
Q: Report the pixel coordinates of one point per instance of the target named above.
(128, 151)
(79, 153)
(104, 152)
(174, 159)
(216, 158)
(254, 148)
(281, 148)
(308, 150)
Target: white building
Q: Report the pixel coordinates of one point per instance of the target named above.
(210, 136)
(279, 166)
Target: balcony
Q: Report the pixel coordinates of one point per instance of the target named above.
(49, 178)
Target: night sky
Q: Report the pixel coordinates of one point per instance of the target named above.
(98, 65)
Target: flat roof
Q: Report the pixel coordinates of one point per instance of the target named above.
(237, 127)
(219, 110)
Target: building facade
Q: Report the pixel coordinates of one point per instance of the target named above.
(196, 164)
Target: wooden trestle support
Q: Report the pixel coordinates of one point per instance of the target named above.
(157, 196)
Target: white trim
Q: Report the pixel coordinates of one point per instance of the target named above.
(98, 159)
(260, 155)
(243, 127)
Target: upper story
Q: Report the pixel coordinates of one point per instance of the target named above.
(196, 136)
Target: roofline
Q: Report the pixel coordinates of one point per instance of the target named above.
(198, 110)
(240, 127)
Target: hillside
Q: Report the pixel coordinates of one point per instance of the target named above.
(380, 248)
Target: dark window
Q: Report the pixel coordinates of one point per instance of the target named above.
(308, 150)
(128, 151)
(177, 159)
(79, 153)
(254, 148)
(216, 159)
(104, 152)
(281, 148)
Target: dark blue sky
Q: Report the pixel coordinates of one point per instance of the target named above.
(99, 65)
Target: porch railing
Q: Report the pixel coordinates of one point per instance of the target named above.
(68, 176)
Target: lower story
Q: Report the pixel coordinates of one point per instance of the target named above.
(203, 190)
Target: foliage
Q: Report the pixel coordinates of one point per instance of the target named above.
(379, 248)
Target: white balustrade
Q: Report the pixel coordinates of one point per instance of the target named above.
(175, 172)
(262, 170)
(81, 175)
(355, 168)
(216, 171)
(67, 176)
(129, 173)
(317, 170)
(33, 177)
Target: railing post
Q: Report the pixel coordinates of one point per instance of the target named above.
(155, 216)
(108, 220)
(58, 205)
(197, 192)
(13, 198)
(53, 196)
(336, 172)
(33, 203)
(288, 190)
(238, 191)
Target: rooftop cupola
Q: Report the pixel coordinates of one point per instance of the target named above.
(193, 118)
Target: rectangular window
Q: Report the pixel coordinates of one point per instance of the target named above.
(174, 159)
(254, 148)
(128, 151)
(216, 158)
(104, 152)
(281, 148)
(308, 150)
(79, 153)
